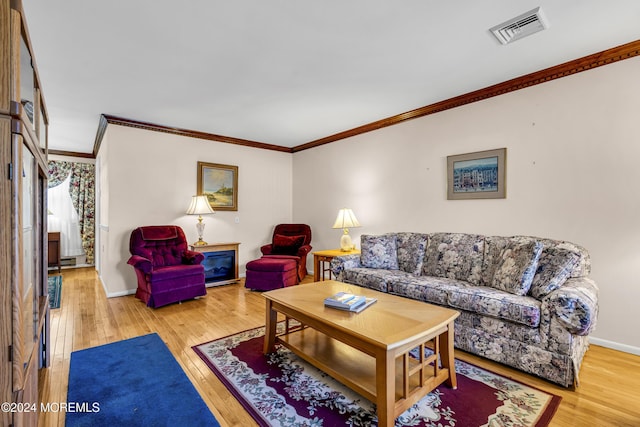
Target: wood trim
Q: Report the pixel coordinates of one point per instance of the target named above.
(605, 57)
(6, 275)
(5, 54)
(102, 128)
(121, 121)
(72, 154)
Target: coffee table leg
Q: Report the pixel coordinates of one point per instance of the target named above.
(447, 356)
(385, 389)
(270, 328)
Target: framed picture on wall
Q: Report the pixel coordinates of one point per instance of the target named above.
(220, 184)
(479, 175)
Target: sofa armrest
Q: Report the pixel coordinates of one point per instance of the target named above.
(143, 264)
(192, 257)
(341, 263)
(575, 305)
(266, 249)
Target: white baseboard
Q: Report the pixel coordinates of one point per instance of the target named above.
(615, 345)
(121, 293)
(116, 294)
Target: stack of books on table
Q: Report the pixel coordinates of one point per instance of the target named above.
(348, 302)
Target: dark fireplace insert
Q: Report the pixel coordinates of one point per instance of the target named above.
(219, 266)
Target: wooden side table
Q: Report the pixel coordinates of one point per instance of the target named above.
(322, 257)
(216, 267)
(53, 250)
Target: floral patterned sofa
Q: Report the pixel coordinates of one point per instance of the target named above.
(524, 301)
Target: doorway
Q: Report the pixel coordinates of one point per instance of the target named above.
(71, 210)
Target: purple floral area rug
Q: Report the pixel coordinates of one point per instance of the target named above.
(281, 389)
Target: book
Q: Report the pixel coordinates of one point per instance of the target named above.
(344, 300)
(348, 302)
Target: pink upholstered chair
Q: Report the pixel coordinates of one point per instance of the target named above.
(291, 239)
(167, 271)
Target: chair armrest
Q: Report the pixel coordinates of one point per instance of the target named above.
(575, 305)
(192, 257)
(266, 249)
(143, 264)
(341, 263)
(304, 250)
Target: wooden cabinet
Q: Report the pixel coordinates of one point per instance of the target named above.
(24, 310)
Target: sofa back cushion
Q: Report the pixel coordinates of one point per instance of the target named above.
(455, 255)
(558, 261)
(518, 263)
(582, 267)
(554, 267)
(379, 251)
(411, 252)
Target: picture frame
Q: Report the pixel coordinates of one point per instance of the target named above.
(220, 184)
(478, 175)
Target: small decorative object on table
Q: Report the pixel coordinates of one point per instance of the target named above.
(349, 302)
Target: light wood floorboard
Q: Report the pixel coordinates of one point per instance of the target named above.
(608, 394)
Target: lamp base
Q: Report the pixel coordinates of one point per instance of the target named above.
(200, 228)
(345, 243)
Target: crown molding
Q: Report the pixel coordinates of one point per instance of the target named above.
(586, 63)
(106, 119)
(605, 57)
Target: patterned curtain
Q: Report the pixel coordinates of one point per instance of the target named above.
(82, 191)
(58, 172)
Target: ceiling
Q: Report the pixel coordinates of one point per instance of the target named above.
(288, 72)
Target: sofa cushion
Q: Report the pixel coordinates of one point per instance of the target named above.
(493, 248)
(517, 265)
(554, 268)
(429, 289)
(583, 266)
(455, 255)
(411, 251)
(379, 251)
(373, 278)
(496, 303)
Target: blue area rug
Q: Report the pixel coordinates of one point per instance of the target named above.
(135, 382)
(54, 284)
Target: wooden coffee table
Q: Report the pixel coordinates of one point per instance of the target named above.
(368, 351)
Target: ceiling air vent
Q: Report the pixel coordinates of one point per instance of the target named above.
(520, 26)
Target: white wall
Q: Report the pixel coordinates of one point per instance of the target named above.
(150, 179)
(573, 154)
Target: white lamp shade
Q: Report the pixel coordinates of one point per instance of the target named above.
(346, 219)
(199, 206)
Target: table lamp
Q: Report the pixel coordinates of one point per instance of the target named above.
(345, 220)
(199, 206)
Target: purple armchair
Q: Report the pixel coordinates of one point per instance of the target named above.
(293, 240)
(167, 271)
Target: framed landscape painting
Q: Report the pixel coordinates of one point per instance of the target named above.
(220, 184)
(479, 175)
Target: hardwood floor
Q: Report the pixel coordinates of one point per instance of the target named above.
(608, 395)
